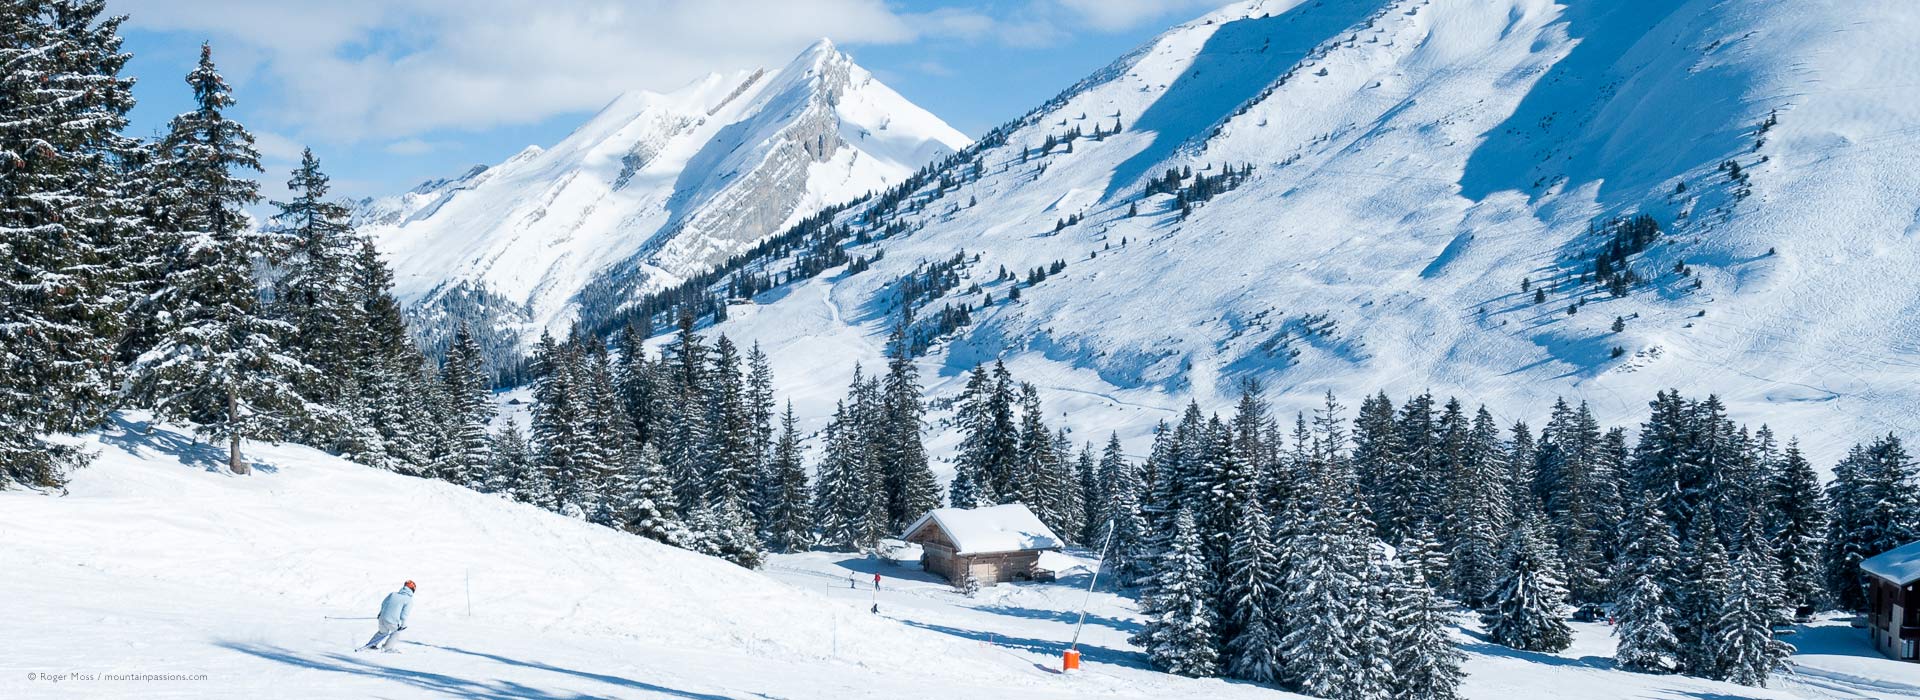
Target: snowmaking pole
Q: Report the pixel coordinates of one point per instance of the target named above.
(1070, 661)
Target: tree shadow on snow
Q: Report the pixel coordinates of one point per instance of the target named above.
(1049, 647)
(143, 438)
(1492, 649)
(1065, 616)
(868, 566)
(455, 686)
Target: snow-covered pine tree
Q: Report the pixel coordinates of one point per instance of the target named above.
(649, 509)
(972, 477)
(1001, 461)
(1526, 612)
(723, 531)
(1643, 606)
(1066, 486)
(1797, 525)
(1121, 480)
(1252, 592)
(865, 404)
(1414, 493)
(1370, 670)
(1743, 640)
(1701, 592)
(1422, 554)
(470, 408)
(760, 404)
(1183, 637)
(634, 377)
(221, 364)
(682, 432)
(790, 513)
(1378, 458)
(511, 470)
(1320, 595)
(1481, 511)
(1873, 507)
(911, 489)
(606, 436)
(311, 245)
(1092, 498)
(1426, 662)
(760, 412)
(67, 229)
(555, 419)
(1578, 490)
(840, 489)
(730, 475)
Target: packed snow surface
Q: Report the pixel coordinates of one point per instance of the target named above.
(1008, 527)
(159, 563)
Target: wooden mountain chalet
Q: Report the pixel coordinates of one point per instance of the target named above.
(1893, 594)
(993, 545)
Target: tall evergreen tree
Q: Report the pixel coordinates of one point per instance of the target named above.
(789, 517)
(68, 218)
(1252, 593)
(470, 406)
(1481, 493)
(1643, 605)
(1873, 507)
(1701, 593)
(311, 245)
(222, 363)
(1743, 638)
(1426, 663)
(1798, 528)
(911, 490)
(511, 470)
(683, 434)
(649, 509)
(1526, 610)
(732, 464)
(1184, 637)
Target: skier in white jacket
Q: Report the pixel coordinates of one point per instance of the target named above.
(393, 617)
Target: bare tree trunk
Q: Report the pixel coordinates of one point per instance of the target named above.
(234, 463)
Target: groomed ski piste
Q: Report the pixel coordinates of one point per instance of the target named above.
(157, 563)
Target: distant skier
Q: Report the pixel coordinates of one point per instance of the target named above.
(851, 583)
(876, 580)
(393, 618)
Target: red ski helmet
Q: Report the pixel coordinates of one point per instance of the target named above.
(410, 586)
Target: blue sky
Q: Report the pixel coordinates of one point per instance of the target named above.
(393, 92)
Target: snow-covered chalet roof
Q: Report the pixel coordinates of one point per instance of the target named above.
(1900, 565)
(1003, 528)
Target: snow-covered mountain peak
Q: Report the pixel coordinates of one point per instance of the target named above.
(651, 188)
(1406, 195)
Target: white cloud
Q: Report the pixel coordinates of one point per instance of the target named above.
(411, 147)
(276, 147)
(1119, 15)
(390, 69)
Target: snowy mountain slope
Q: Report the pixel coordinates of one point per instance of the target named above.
(159, 563)
(658, 185)
(1413, 161)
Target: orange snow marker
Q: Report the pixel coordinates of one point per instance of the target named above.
(1070, 661)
